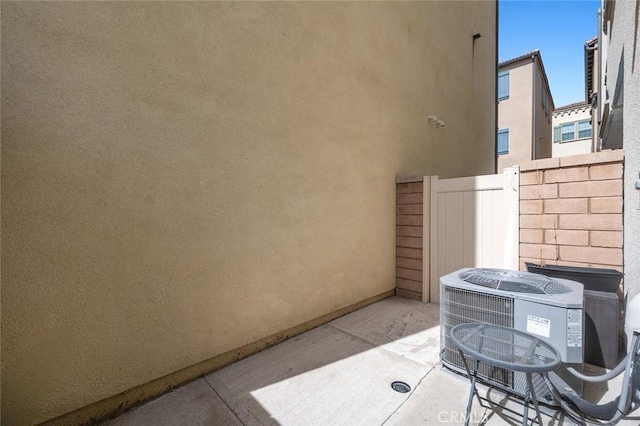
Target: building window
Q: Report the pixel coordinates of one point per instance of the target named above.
(545, 102)
(503, 85)
(503, 141)
(584, 129)
(568, 132)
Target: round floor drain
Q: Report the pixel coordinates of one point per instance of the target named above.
(401, 387)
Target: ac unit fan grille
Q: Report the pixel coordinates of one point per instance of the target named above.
(459, 306)
(513, 281)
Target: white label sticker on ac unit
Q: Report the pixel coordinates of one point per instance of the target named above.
(538, 325)
(574, 328)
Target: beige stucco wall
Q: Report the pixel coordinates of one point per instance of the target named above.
(623, 46)
(180, 179)
(542, 117)
(514, 113)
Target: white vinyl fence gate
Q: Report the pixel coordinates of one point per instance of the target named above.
(469, 222)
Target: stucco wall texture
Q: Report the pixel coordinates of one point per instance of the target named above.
(542, 131)
(515, 114)
(524, 115)
(180, 179)
(625, 46)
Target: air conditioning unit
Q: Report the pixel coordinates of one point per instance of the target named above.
(550, 308)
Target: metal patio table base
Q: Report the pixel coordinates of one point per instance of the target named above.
(506, 348)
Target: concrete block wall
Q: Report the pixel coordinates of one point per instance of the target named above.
(571, 211)
(409, 240)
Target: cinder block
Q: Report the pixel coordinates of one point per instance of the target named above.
(403, 262)
(534, 177)
(566, 205)
(409, 231)
(409, 253)
(538, 221)
(407, 294)
(607, 156)
(531, 236)
(530, 206)
(598, 222)
(605, 171)
(536, 192)
(571, 174)
(524, 260)
(566, 238)
(411, 220)
(415, 198)
(409, 209)
(410, 285)
(606, 205)
(601, 255)
(407, 188)
(598, 188)
(546, 163)
(539, 251)
(606, 239)
(410, 242)
(409, 274)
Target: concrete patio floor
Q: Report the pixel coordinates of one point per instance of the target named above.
(341, 374)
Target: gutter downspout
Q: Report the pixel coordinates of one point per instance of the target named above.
(597, 142)
(590, 51)
(495, 130)
(533, 104)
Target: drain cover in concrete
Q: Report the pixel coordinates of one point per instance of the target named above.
(401, 387)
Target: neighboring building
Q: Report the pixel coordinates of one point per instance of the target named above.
(619, 113)
(574, 130)
(592, 84)
(572, 134)
(525, 107)
(185, 183)
(612, 86)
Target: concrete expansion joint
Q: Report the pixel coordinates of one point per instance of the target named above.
(364, 339)
(410, 395)
(356, 336)
(370, 342)
(229, 407)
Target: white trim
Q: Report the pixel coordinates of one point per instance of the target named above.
(471, 183)
(426, 232)
(434, 281)
(512, 226)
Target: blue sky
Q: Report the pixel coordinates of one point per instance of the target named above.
(559, 29)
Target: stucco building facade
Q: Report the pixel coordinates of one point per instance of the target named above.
(525, 107)
(572, 130)
(618, 112)
(575, 131)
(184, 183)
